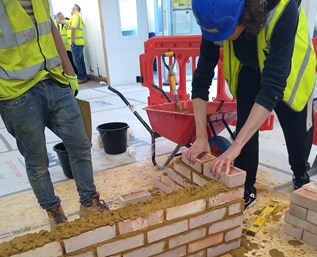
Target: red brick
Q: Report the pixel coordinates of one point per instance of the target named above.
(163, 187)
(310, 238)
(293, 231)
(178, 252)
(170, 183)
(139, 223)
(182, 168)
(225, 224)
(120, 245)
(312, 217)
(198, 164)
(236, 208)
(185, 209)
(147, 251)
(223, 248)
(198, 179)
(226, 197)
(233, 234)
(305, 198)
(167, 231)
(206, 218)
(89, 238)
(312, 186)
(187, 237)
(134, 197)
(299, 223)
(182, 181)
(53, 248)
(298, 211)
(205, 242)
(235, 178)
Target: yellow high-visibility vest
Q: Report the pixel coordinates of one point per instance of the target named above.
(63, 31)
(79, 36)
(301, 80)
(27, 50)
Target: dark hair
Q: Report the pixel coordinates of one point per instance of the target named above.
(254, 16)
(78, 7)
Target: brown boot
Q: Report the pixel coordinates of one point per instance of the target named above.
(56, 215)
(98, 206)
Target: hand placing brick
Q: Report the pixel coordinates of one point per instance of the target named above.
(198, 164)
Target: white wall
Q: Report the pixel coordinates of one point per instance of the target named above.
(94, 53)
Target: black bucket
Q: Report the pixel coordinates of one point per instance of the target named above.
(114, 137)
(62, 155)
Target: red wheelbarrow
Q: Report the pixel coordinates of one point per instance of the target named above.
(179, 126)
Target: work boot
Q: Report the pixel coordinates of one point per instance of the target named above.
(56, 216)
(97, 206)
(298, 182)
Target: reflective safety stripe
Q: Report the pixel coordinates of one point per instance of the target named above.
(300, 74)
(28, 73)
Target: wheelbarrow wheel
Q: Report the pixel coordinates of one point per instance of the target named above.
(218, 148)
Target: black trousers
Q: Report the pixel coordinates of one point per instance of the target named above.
(298, 139)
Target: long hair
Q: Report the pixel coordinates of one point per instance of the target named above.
(254, 16)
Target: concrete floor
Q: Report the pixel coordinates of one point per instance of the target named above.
(18, 204)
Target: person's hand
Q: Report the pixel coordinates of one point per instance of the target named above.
(223, 162)
(198, 147)
(73, 82)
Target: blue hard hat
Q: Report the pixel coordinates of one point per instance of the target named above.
(217, 18)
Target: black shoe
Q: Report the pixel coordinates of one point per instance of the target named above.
(298, 182)
(249, 197)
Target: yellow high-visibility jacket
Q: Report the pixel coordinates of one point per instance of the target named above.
(63, 28)
(27, 51)
(77, 23)
(301, 80)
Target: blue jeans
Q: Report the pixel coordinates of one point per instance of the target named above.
(78, 57)
(50, 104)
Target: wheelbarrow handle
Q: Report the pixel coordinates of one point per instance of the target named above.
(121, 96)
(163, 92)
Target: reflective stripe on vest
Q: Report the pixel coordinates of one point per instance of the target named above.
(79, 36)
(301, 80)
(27, 51)
(63, 32)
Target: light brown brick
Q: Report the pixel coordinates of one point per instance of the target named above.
(298, 211)
(134, 197)
(233, 234)
(206, 218)
(89, 238)
(236, 208)
(225, 224)
(139, 223)
(310, 238)
(185, 209)
(180, 180)
(54, 249)
(167, 231)
(205, 242)
(305, 198)
(223, 248)
(199, 254)
(312, 217)
(226, 197)
(182, 168)
(187, 237)
(170, 183)
(312, 186)
(177, 252)
(299, 223)
(293, 231)
(88, 254)
(149, 250)
(120, 245)
(235, 178)
(198, 164)
(199, 180)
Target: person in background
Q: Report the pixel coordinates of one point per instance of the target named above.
(37, 90)
(269, 64)
(62, 25)
(77, 43)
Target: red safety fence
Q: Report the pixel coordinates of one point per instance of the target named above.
(186, 49)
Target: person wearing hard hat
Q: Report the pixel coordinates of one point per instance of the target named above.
(269, 64)
(38, 88)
